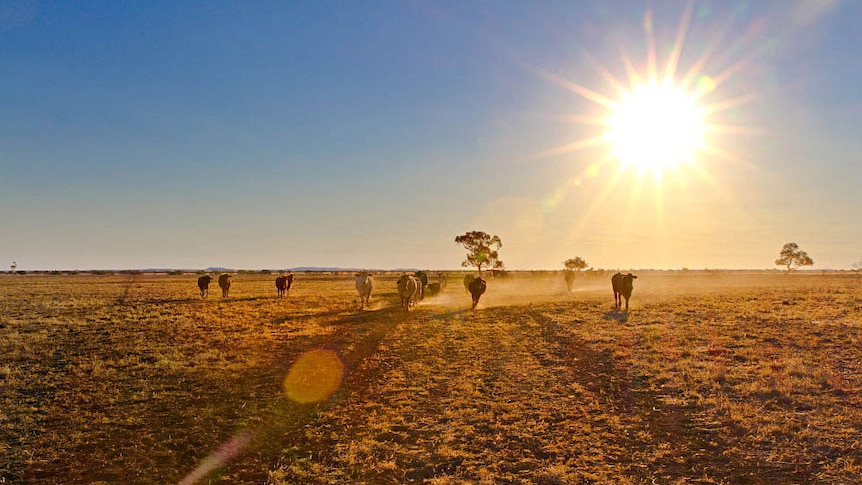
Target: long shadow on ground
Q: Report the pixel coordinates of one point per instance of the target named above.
(697, 449)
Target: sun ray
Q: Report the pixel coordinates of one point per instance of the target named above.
(694, 72)
(583, 120)
(665, 117)
(659, 200)
(600, 199)
(747, 59)
(573, 87)
(570, 148)
(673, 61)
(726, 104)
(735, 129)
(707, 178)
(633, 196)
(652, 69)
(609, 78)
(632, 73)
(726, 156)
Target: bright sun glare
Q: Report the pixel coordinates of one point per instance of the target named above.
(655, 127)
(661, 119)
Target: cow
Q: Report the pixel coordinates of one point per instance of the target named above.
(477, 288)
(204, 285)
(364, 285)
(422, 280)
(283, 284)
(433, 289)
(622, 284)
(570, 278)
(443, 279)
(467, 280)
(408, 290)
(224, 284)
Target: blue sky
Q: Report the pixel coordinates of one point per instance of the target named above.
(370, 134)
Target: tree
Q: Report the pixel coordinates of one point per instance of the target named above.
(571, 265)
(576, 263)
(793, 257)
(857, 266)
(13, 265)
(480, 250)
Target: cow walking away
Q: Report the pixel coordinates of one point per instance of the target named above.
(570, 278)
(433, 289)
(477, 287)
(364, 285)
(467, 280)
(422, 282)
(443, 278)
(408, 288)
(204, 285)
(224, 284)
(622, 284)
(283, 284)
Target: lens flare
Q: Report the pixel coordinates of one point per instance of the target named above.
(219, 457)
(313, 377)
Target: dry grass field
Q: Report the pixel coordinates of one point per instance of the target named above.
(710, 378)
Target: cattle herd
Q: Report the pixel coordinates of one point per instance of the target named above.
(413, 288)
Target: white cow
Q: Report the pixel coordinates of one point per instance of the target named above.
(408, 289)
(364, 285)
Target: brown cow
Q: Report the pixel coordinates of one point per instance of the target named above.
(468, 278)
(433, 289)
(622, 284)
(283, 284)
(422, 281)
(477, 288)
(570, 278)
(224, 284)
(204, 285)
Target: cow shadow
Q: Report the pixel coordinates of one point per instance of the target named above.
(617, 315)
(301, 316)
(247, 298)
(165, 301)
(451, 314)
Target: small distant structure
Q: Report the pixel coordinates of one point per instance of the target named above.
(13, 266)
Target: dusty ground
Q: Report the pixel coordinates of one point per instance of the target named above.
(710, 378)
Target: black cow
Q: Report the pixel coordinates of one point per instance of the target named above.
(477, 288)
(422, 279)
(622, 284)
(204, 285)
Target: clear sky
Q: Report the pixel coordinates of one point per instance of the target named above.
(370, 134)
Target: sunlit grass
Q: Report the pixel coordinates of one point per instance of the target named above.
(707, 374)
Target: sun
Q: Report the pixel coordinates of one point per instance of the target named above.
(654, 127)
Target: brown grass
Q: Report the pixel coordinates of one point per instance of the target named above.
(710, 378)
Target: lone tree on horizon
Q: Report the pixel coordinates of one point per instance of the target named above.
(793, 257)
(572, 265)
(575, 264)
(481, 252)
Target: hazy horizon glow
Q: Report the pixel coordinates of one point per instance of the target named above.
(165, 135)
